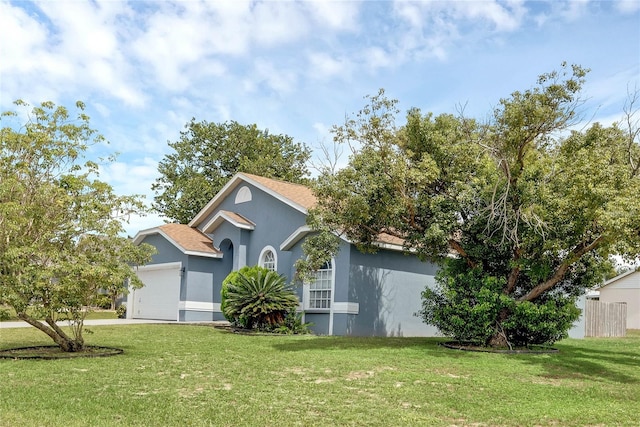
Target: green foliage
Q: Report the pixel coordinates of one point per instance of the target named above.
(121, 311)
(292, 324)
(4, 314)
(541, 323)
(103, 301)
(59, 225)
(207, 155)
(233, 279)
(259, 301)
(464, 306)
(469, 305)
(532, 209)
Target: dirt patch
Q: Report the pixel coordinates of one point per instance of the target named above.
(55, 352)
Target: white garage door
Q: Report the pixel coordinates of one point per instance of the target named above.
(159, 297)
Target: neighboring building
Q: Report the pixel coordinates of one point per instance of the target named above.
(624, 288)
(255, 220)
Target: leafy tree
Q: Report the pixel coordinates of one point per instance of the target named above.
(258, 298)
(531, 209)
(59, 225)
(207, 155)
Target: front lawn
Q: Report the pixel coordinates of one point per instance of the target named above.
(95, 314)
(190, 375)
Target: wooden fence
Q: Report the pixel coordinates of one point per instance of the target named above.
(605, 319)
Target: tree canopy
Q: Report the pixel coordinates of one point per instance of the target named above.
(207, 155)
(59, 225)
(522, 212)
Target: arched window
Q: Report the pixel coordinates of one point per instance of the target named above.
(268, 259)
(243, 195)
(320, 288)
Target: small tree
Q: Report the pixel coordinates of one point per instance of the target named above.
(59, 226)
(260, 300)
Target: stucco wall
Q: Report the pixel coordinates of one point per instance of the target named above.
(388, 286)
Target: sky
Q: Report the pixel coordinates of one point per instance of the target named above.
(146, 68)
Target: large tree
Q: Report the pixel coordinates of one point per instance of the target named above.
(521, 212)
(59, 225)
(208, 154)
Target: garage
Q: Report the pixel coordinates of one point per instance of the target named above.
(159, 297)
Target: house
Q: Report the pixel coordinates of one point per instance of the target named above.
(624, 288)
(256, 220)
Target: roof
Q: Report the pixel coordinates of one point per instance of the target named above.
(297, 193)
(298, 196)
(620, 276)
(234, 218)
(189, 240)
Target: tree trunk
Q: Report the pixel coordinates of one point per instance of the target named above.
(499, 337)
(55, 333)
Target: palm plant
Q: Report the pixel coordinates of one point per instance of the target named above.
(259, 301)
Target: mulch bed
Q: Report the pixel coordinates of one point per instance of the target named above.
(470, 346)
(55, 352)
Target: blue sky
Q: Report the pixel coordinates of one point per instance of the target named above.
(144, 69)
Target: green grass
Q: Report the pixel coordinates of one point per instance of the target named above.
(96, 314)
(190, 375)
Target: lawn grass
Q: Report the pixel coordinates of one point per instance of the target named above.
(95, 314)
(191, 375)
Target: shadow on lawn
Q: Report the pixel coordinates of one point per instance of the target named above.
(583, 362)
(327, 343)
(575, 361)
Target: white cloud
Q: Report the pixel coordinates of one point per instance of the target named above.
(277, 78)
(628, 6)
(376, 57)
(335, 15)
(324, 66)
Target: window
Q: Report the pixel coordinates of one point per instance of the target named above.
(243, 195)
(268, 259)
(320, 288)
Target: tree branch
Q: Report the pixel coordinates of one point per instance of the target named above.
(575, 255)
(458, 248)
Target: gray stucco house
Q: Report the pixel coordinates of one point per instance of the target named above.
(255, 220)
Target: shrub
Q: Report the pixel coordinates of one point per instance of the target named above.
(293, 324)
(232, 278)
(259, 301)
(103, 301)
(4, 314)
(121, 311)
(469, 305)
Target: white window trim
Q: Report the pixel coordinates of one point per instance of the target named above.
(307, 293)
(275, 256)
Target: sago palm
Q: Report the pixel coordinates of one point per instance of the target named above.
(260, 300)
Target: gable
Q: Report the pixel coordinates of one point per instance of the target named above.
(297, 196)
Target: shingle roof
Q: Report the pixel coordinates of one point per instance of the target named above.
(297, 193)
(238, 218)
(190, 239)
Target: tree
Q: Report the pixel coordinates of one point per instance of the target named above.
(531, 209)
(207, 155)
(59, 225)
